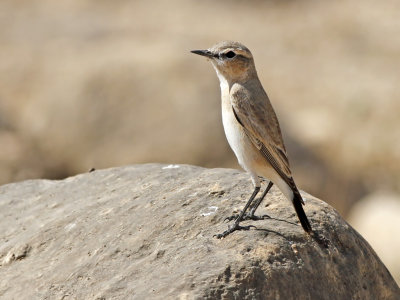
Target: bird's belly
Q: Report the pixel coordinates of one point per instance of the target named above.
(244, 150)
(248, 156)
(234, 134)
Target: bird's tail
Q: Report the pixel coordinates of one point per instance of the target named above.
(298, 206)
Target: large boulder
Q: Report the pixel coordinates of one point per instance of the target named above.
(377, 218)
(146, 232)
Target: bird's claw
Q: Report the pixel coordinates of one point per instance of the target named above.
(232, 229)
(247, 217)
(230, 218)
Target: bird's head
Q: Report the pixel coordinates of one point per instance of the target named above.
(231, 60)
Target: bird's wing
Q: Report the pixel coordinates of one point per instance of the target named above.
(260, 124)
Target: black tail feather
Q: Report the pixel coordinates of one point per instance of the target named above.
(297, 203)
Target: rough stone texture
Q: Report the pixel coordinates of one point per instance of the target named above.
(146, 232)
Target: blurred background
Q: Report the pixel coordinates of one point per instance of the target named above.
(105, 83)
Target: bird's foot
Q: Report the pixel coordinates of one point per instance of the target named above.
(248, 216)
(231, 229)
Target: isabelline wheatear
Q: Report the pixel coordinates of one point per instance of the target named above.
(252, 128)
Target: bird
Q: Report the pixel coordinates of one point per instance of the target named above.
(252, 129)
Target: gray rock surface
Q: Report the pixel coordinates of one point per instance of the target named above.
(146, 232)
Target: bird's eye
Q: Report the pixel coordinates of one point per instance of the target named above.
(230, 54)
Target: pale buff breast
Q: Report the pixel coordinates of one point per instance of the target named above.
(247, 154)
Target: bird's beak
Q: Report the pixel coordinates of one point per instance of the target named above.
(205, 53)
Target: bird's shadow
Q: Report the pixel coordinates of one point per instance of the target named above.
(267, 217)
(273, 231)
(316, 236)
(321, 240)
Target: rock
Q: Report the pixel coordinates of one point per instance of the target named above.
(146, 232)
(376, 217)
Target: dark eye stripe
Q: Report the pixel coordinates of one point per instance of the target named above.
(224, 55)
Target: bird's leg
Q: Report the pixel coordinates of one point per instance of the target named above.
(258, 202)
(250, 215)
(236, 225)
